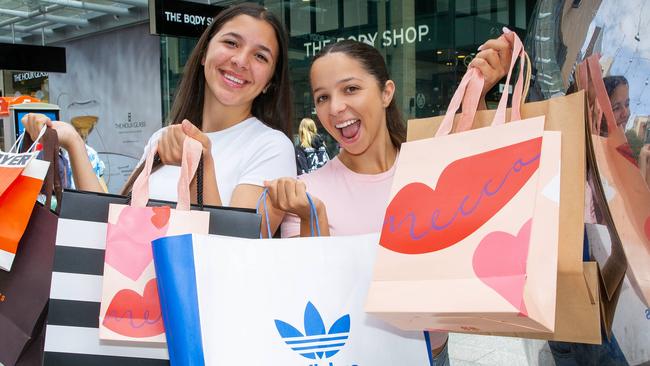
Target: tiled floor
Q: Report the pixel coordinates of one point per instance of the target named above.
(472, 350)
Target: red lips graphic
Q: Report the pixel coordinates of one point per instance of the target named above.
(470, 191)
(132, 315)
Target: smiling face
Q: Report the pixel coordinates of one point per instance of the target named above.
(620, 100)
(349, 102)
(240, 61)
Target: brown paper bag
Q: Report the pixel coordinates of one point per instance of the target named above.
(577, 316)
(627, 203)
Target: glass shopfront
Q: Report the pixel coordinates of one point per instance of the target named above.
(427, 44)
(34, 84)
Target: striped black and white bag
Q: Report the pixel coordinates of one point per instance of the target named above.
(72, 332)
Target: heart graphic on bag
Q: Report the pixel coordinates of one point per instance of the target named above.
(500, 262)
(469, 192)
(128, 243)
(132, 315)
(160, 216)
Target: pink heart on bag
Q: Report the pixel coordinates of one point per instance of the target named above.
(500, 262)
(128, 243)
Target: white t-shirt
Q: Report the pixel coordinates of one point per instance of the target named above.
(246, 153)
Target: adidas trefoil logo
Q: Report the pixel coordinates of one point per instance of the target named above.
(316, 343)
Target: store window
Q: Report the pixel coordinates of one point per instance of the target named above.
(33, 84)
(427, 44)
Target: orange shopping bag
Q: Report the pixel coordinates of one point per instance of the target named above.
(21, 178)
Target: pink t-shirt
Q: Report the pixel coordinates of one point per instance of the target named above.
(355, 202)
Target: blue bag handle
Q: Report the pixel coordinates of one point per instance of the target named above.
(313, 217)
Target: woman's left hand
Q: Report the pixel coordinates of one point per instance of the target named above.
(170, 145)
(493, 60)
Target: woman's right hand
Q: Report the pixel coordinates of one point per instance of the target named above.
(170, 144)
(290, 195)
(66, 133)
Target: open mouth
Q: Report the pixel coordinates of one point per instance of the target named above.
(349, 128)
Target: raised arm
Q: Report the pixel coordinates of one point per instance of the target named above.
(493, 60)
(82, 171)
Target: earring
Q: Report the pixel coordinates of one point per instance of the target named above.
(266, 88)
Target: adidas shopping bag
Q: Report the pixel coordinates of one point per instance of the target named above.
(229, 301)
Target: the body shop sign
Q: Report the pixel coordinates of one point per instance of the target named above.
(388, 38)
(180, 18)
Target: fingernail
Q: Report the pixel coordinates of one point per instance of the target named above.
(506, 30)
(480, 48)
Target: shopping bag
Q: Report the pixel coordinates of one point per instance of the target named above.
(24, 291)
(21, 178)
(72, 332)
(229, 301)
(458, 203)
(577, 311)
(130, 310)
(631, 323)
(627, 197)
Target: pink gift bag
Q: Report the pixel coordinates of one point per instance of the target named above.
(470, 238)
(130, 309)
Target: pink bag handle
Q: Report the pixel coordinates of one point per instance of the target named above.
(192, 150)
(518, 52)
(469, 93)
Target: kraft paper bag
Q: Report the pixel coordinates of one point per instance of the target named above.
(622, 187)
(577, 310)
(578, 316)
(130, 309)
(631, 323)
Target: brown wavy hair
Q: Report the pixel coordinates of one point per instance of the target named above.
(373, 62)
(273, 108)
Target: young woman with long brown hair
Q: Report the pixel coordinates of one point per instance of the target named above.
(234, 98)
